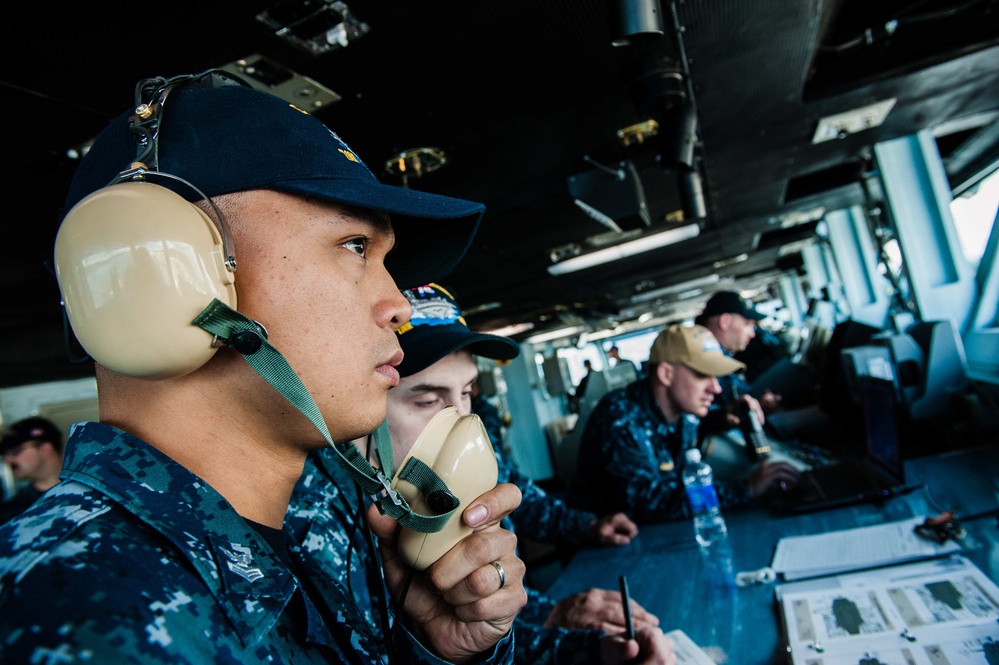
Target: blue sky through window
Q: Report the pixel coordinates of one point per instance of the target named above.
(974, 214)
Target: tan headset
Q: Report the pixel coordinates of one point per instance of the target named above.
(136, 262)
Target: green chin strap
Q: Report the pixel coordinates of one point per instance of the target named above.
(250, 339)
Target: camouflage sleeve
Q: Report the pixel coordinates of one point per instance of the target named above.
(551, 646)
(556, 646)
(624, 471)
(538, 608)
(542, 516)
(18, 503)
(732, 493)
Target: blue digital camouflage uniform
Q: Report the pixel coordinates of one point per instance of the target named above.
(323, 514)
(540, 516)
(18, 503)
(628, 459)
(133, 559)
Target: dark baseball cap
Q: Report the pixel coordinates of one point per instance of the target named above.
(229, 137)
(30, 429)
(730, 302)
(437, 329)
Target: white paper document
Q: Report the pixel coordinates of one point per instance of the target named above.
(686, 651)
(799, 557)
(939, 612)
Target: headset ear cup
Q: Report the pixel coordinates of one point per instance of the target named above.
(136, 263)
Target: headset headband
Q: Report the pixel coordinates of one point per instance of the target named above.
(150, 98)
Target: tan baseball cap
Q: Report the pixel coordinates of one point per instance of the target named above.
(694, 347)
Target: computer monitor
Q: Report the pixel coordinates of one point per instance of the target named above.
(879, 404)
(834, 395)
(861, 362)
(926, 364)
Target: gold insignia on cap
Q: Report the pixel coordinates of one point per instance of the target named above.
(348, 154)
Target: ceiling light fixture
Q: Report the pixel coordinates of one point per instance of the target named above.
(795, 247)
(687, 295)
(625, 249)
(724, 263)
(841, 125)
(511, 330)
(697, 283)
(554, 334)
(799, 217)
(606, 220)
(314, 27)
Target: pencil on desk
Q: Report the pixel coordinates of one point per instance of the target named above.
(626, 600)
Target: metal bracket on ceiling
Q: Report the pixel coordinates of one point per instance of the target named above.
(415, 163)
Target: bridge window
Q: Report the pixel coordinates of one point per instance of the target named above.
(974, 214)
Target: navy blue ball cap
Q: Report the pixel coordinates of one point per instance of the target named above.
(437, 329)
(730, 302)
(234, 138)
(30, 429)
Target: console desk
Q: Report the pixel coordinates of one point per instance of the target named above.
(741, 626)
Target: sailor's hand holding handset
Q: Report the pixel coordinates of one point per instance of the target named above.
(463, 585)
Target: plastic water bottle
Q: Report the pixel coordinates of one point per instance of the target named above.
(709, 524)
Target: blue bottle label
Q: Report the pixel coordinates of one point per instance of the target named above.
(702, 498)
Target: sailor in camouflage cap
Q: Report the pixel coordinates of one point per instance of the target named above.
(164, 541)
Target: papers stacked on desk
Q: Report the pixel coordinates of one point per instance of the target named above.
(800, 557)
(686, 651)
(929, 613)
